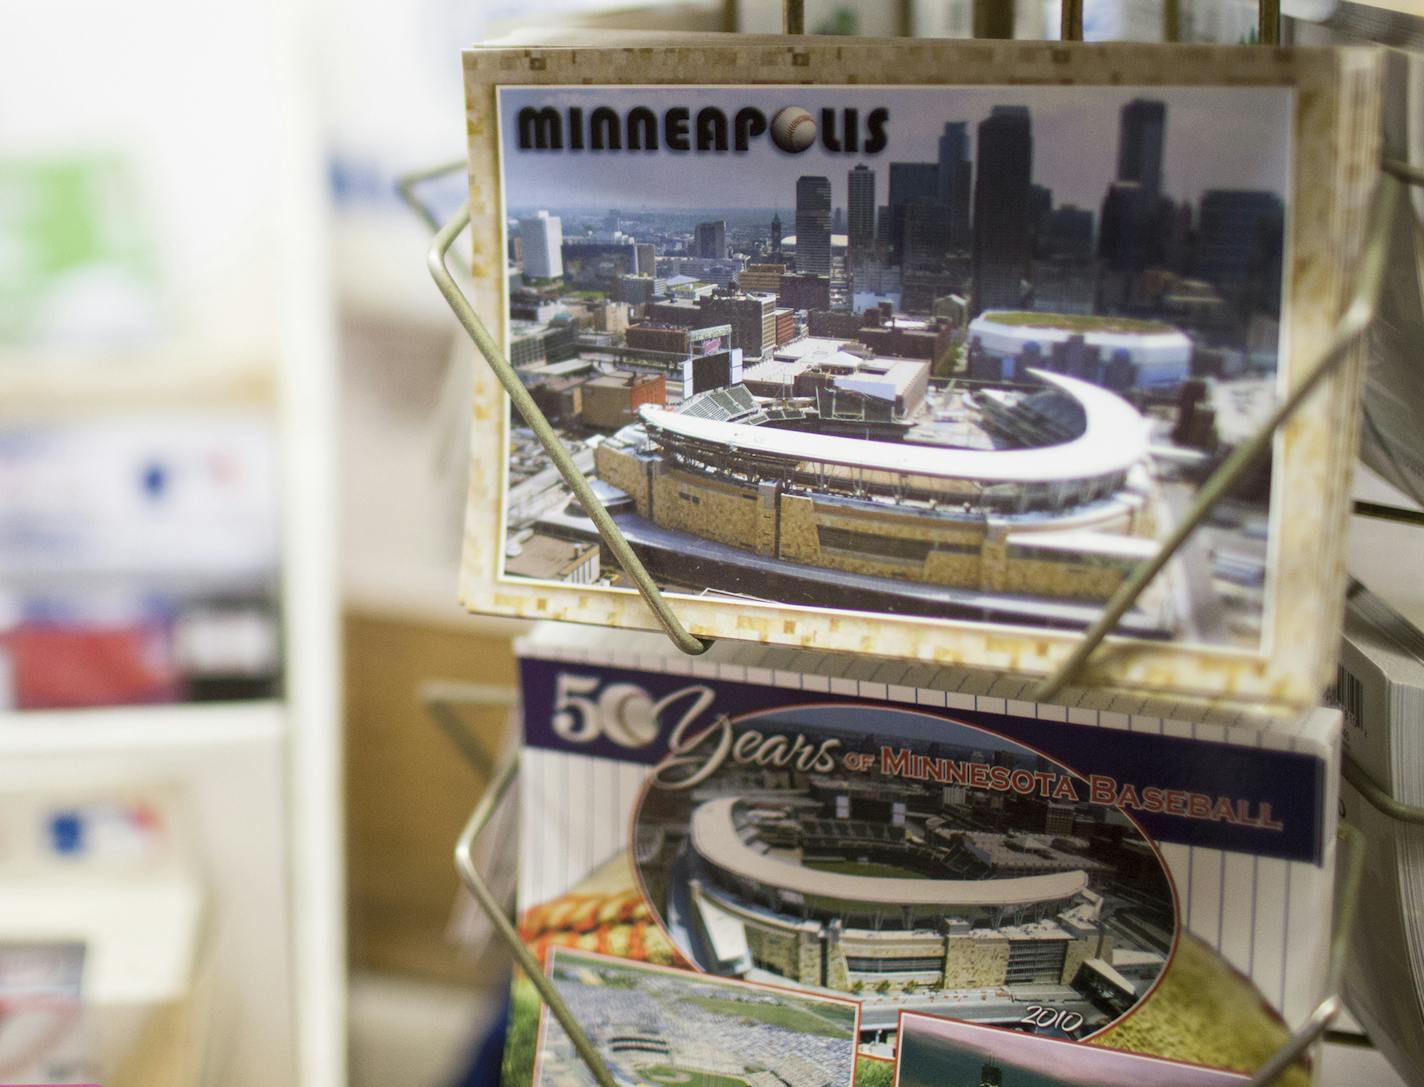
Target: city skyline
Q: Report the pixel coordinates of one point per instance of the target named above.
(1205, 127)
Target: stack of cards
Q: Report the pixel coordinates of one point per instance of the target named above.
(1380, 690)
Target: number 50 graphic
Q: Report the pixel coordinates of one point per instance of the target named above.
(623, 712)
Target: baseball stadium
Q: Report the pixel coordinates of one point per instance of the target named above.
(821, 927)
(1055, 501)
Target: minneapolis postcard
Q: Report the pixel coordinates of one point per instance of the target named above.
(951, 352)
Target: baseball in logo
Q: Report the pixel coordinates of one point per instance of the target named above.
(793, 129)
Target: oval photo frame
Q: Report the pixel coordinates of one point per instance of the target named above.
(909, 861)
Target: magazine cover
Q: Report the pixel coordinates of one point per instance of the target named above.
(924, 348)
(45, 1034)
(876, 832)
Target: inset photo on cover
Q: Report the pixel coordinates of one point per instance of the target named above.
(909, 862)
(942, 1053)
(655, 1026)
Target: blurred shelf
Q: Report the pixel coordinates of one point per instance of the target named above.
(1404, 7)
(1386, 555)
(183, 726)
(50, 385)
(1353, 1066)
(426, 593)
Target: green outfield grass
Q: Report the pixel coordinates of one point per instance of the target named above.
(826, 1020)
(1077, 322)
(523, 1035)
(665, 1075)
(870, 1073)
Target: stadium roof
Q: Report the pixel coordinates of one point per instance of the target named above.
(715, 838)
(1113, 440)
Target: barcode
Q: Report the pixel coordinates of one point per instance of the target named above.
(1348, 695)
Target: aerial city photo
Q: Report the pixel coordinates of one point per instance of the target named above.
(656, 1027)
(915, 884)
(957, 352)
(942, 1053)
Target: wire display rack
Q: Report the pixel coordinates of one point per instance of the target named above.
(444, 706)
(1359, 313)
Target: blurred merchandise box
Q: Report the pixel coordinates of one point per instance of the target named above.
(166, 496)
(102, 939)
(142, 554)
(78, 264)
(42, 1029)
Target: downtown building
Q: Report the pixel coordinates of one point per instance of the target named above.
(678, 339)
(860, 200)
(1142, 138)
(1239, 247)
(1134, 221)
(813, 225)
(752, 318)
(805, 292)
(710, 240)
(918, 222)
(541, 239)
(762, 277)
(1002, 226)
(955, 180)
(598, 263)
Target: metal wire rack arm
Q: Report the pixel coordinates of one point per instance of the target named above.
(1356, 320)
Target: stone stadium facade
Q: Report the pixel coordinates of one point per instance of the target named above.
(760, 910)
(1068, 520)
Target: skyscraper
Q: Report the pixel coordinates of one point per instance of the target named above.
(1040, 207)
(813, 225)
(924, 235)
(1001, 208)
(710, 240)
(953, 149)
(860, 187)
(914, 184)
(1131, 236)
(1142, 136)
(1069, 233)
(542, 239)
(775, 233)
(956, 179)
(1239, 243)
(1123, 235)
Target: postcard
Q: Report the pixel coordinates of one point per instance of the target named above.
(658, 1026)
(923, 349)
(911, 840)
(936, 1052)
